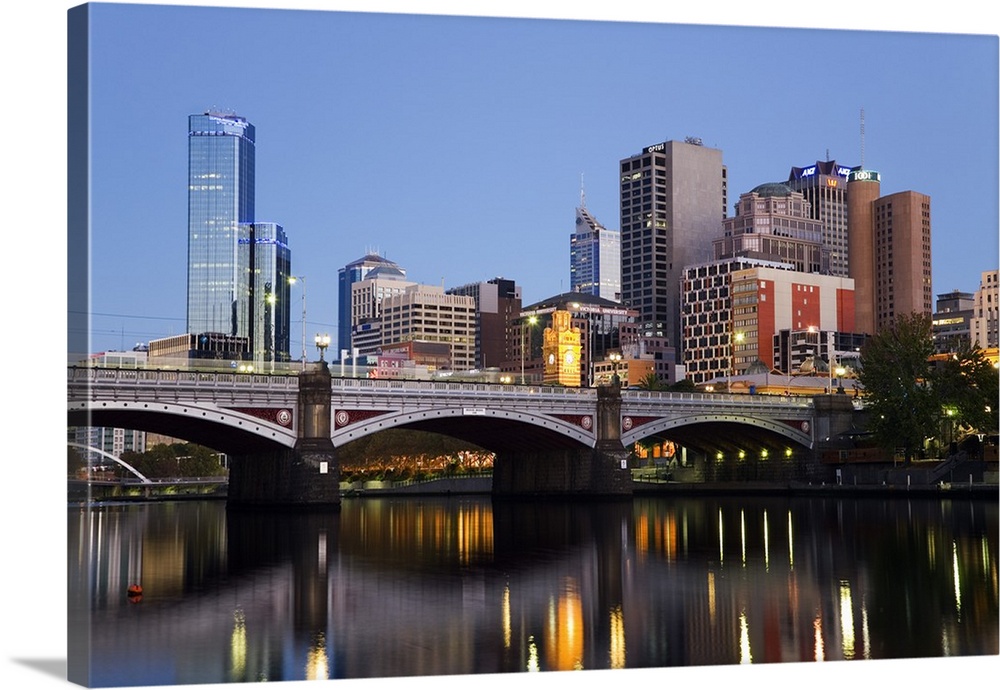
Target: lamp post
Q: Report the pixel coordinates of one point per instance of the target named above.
(737, 338)
(291, 281)
(615, 357)
(840, 375)
(322, 342)
(532, 320)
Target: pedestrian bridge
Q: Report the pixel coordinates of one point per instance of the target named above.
(241, 412)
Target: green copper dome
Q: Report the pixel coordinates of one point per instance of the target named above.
(772, 189)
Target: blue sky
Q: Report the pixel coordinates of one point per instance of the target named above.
(456, 145)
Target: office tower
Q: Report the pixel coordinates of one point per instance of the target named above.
(424, 314)
(824, 185)
(984, 326)
(773, 222)
(673, 201)
(263, 294)
(498, 304)
(367, 296)
(594, 258)
(952, 321)
(220, 197)
(347, 276)
(889, 250)
(734, 308)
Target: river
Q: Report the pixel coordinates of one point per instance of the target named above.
(392, 587)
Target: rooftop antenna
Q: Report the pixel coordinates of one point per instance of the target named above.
(583, 196)
(828, 154)
(862, 138)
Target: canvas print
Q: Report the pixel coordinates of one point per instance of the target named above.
(412, 346)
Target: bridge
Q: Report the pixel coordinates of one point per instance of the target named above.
(547, 439)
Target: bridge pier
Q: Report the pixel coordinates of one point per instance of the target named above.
(582, 472)
(834, 414)
(305, 477)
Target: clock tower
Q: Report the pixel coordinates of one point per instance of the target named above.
(561, 350)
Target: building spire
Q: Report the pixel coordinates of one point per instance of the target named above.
(583, 196)
(862, 138)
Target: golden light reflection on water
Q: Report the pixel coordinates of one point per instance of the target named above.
(846, 620)
(317, 665)
(745, 655)
(532, 654)
(564, 632)
(711, 595)
(617, 651)
(505, 614)
(819, 652)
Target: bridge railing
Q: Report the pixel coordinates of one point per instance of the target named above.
(79, 375)
(720, 399)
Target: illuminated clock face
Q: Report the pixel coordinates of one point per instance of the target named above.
(552, 359)
(569, 357)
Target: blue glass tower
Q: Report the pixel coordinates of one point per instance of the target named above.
(263, 292)
(220, 197)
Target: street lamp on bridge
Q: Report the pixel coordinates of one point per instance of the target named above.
(291, 281)
(532, 320)
(322, 342)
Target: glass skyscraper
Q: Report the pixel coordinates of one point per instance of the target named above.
(263, 292)
(220, 197)
(595, 258)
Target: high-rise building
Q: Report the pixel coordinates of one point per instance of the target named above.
(263, 294)
(347, 276)
(984, 325)
(773, 222)
(824, 185)
(673, 200)
(734, 307)
(889, 251)
(594, 258)
(425, 314)
(220, 197)
(952, 321)
(498, 305)
(367, 296)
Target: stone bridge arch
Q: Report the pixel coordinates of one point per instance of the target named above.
(497, 429)
(223, 429)
(712, 435)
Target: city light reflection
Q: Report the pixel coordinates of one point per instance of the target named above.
(505, 614)
(532, 654)
(745, 656)
(767, 549)
(957, 579)
(317, 667)
(743, 538)
(720, 537)
(791, 557)
(564, 637)
(711, 595)
(617, 651)
(238, 646)
(819, 653)
(846, 620)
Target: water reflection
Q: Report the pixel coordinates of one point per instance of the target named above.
(445, 586)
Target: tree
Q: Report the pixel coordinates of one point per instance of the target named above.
(967, 385)
(896, 374)
(650, 382)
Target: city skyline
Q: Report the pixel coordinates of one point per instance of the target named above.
(464, 163)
